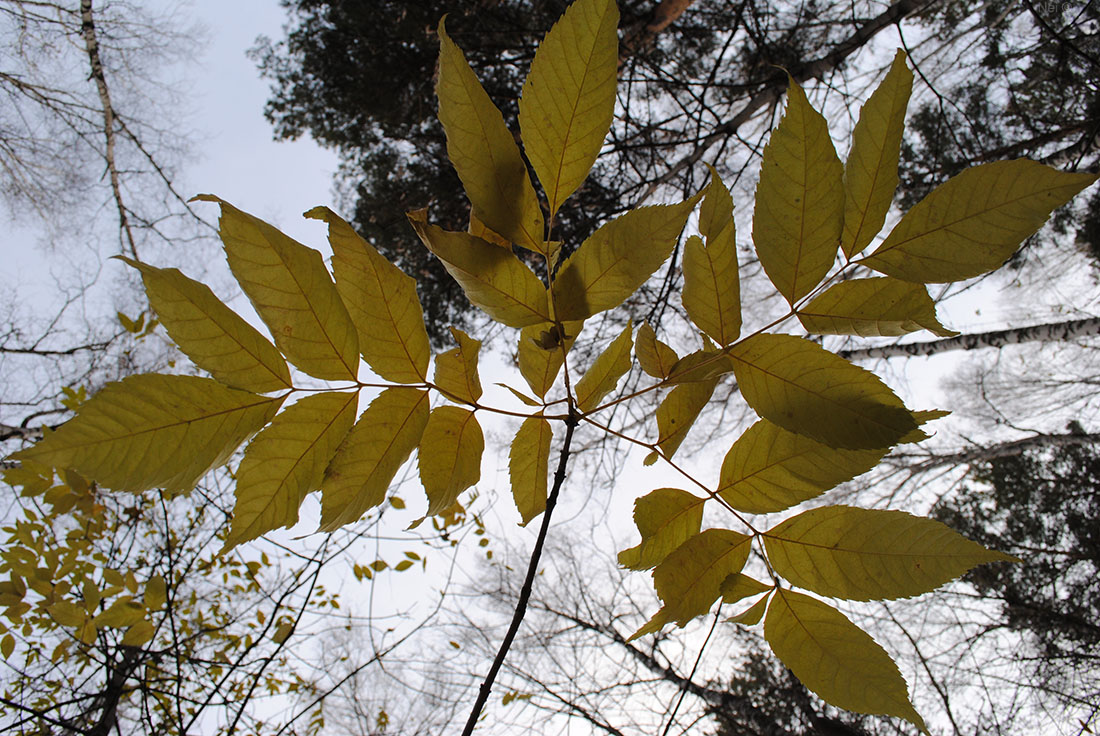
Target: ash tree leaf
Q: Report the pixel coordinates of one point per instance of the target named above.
(603, 375)
(666, 518)
(973, 222)
(678, 412)
(806, 389)
(292, 292)
(712, 292)
(836, 659)
(478, 229)
(450, 456)
(456, 369)
(493, 279)
(740, 586)
(702, 365)
(769, 469)
(138, 635)
(381, 301)
(539, 365)
(484, 153)
(799, 210)
(211, 334)
(752, 616)
(872, 307)
(868, 554)
(569, 97)
(871, 171)
(618, 258)
(655, 357)
(528, 465)
(368, 459)
(286, 461)
(154, 431)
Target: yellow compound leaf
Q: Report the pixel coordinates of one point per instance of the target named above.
(806, 389)
(655, 357)
(456, 369)
(528, 465)
(286, 461)
(365, 464)
(867, 554)
(738, 587)
(211, 334)
(712, 294)
(835, 658)
(569, 97)
(382, 303)
(678, 411)
(872, 307)
(617, 259)
(156, 593)
(799, 210)
(603, 375)
(690, 579)
(540, 354)
(871, 172)
(450, 456)
(138, 635)
(769, 469)
(151, 431)
(492, 278)
(666, 518)
(484, 153)
(973, 222)
(292, 292)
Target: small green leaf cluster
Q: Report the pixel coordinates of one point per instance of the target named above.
(823, 420)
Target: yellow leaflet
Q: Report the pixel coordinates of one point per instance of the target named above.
(752, 616)
(797, 218)
(617, 259)
(66, 613)
(364, 466)
(286, 461)
(124, 612)
(450, 456)
(872, 307)
(738, 587)
(528, 465)
(807, 390)
(973, 222)
(7, 646)
(666, 518)
(712, 292)
(769, 469)
(690, 579)
(655, 357)
(478, 229)
(569, 97)
(456, 369)
(138, 635)
(834, 658)
(156, 593)
(151, 431)
(484, 153)
(603, 375)
(382, 303)
(866, 554)
(211, 334)
(539, 365)
(292, 292)
(679, 410)
(492, 277)
(702, 365)
(871, 172)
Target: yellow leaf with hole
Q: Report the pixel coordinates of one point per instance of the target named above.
(211, 334)
(618, 258)
(292, 292)
(365, 464)
(690, 579)
(528, 465)
(807, 390)
(381, 301)
(973, 222)
(655, 357)
(151, 431)
(450, 456)
(540, 354)
(484, 153)
(835, 658)
(871, 171)
(286, 461)
(666, 518)
(712, 292)
(872, 307)
(603, 375)
(870, 554)
(799, 209)
(678, 412)
(569, 97)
